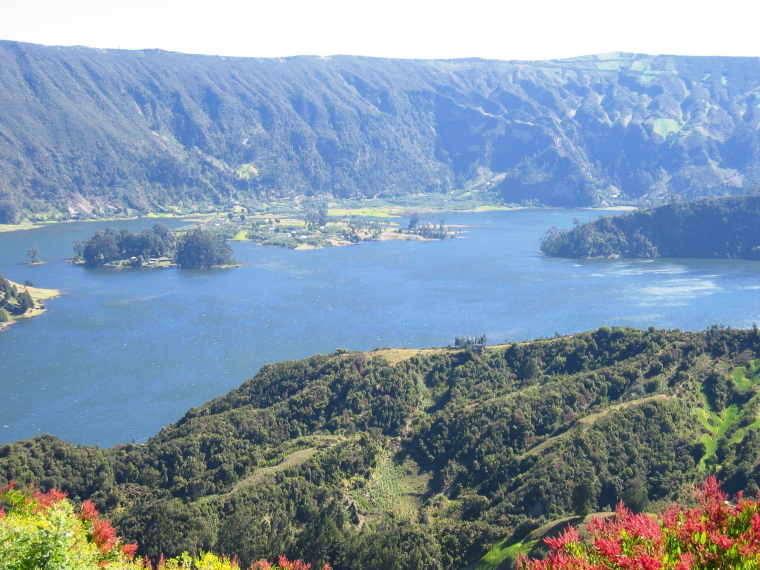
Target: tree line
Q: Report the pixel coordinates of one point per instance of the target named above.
(709, 228)
(196, 248)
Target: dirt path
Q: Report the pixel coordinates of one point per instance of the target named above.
(587, 421)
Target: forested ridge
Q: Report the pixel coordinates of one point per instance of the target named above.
(91, 132)
(708, 228)
(424, 459)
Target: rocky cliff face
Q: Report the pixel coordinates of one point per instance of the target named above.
(83, 128)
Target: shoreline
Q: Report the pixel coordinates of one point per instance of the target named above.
(38, 295)
(23, 226)
(362, 212)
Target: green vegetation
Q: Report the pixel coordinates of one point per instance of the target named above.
(426, 459)
(160, 247)
(709, 228)
(716, 533)
(506, 549)
(120, 247)
(664, 127)
(312, 225)
(362, 212)
(41, 531)
(21, 301)
(201, 249)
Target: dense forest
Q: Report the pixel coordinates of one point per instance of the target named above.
(425, 458)
(91, 132)
(194, 249)
(709, 228)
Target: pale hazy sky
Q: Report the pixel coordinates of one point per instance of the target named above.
(541, 29)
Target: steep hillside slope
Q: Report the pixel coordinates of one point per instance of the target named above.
(85, 129)
(709, 228)
(391, 459)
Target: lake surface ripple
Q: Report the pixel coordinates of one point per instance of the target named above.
(124, 352)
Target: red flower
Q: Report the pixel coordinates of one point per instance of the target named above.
(716, 534)
(104, 535)
(286, 564)
(50, 498)
(563, 539)
(88, 511)
(608, 548)
(129, 550)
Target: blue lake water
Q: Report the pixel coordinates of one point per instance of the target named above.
(124, 352)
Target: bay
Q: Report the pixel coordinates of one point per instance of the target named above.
(125, 352)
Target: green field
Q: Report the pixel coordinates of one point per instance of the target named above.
(362, 212)
(664, 127)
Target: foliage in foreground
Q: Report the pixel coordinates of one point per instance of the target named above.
(45, 531)
(715, 534)
(393, 459)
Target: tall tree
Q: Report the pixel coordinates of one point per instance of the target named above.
(200, 248)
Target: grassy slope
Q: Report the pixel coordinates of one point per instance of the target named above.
(718, 424)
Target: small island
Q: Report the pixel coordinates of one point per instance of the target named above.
(711, 228)
(205, 245)
(195, 248)
(21, 301)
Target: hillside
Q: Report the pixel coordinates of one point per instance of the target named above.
(709, 228)
(426, 459)
(94, 131)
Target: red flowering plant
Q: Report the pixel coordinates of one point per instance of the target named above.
(43, 530)
(284, 564)
(715, 534)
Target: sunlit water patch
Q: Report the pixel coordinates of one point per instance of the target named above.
(677, 292)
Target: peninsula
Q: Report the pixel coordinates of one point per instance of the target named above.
(709, 228)
(21, 301)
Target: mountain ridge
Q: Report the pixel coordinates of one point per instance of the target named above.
(87, 130)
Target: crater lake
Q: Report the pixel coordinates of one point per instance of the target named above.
(123, 353)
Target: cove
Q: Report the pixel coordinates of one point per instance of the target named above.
(124, 352)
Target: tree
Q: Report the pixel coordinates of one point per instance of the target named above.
(9, 213)
(414, 221)
(25, 301)
(33, 253)
(316, 216)
(101, 248)
(635, 496)
(583, 497)
(199, 249)
(78, 247)
(168, 238)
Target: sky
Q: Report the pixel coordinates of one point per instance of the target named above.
(419, 29)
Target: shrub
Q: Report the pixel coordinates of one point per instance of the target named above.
(715, 534)
(44, 530)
